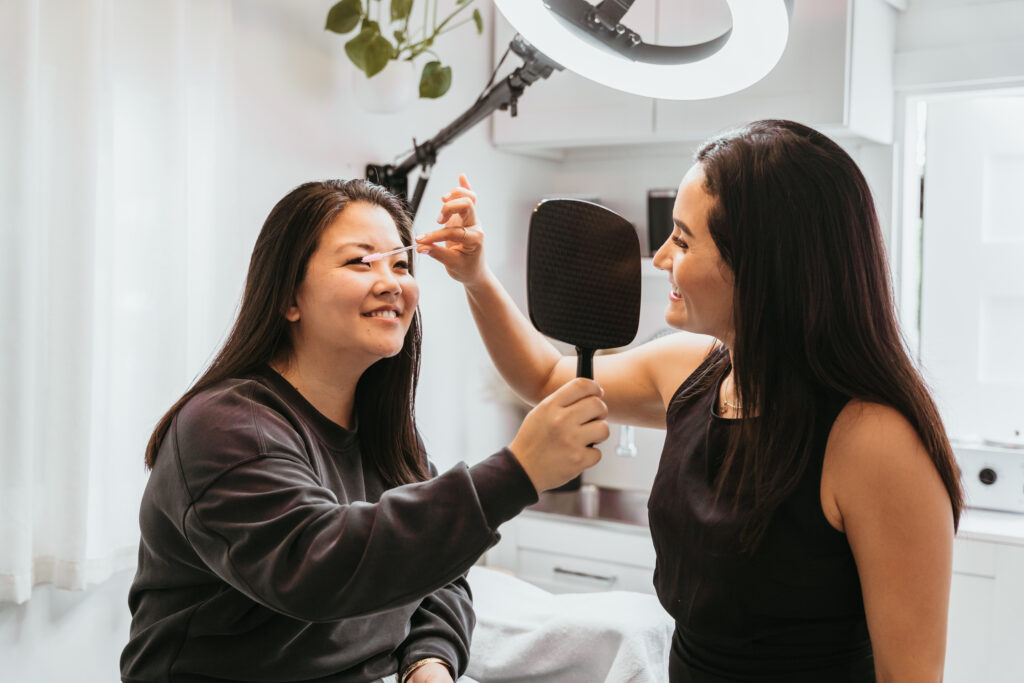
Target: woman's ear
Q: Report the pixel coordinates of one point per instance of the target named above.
(291, 314)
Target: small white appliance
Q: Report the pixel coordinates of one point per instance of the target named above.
(993, 475)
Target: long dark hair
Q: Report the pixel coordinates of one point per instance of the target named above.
(814, 312)
(385, 394)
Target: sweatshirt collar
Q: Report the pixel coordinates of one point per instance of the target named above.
(330, 431)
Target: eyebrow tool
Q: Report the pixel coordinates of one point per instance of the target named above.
(370, 258)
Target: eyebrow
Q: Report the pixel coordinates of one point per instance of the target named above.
(682, 226)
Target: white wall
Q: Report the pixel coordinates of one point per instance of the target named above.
(294, 120)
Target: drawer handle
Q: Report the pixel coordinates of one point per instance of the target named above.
(610, 580)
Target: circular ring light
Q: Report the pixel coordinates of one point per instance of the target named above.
(760, 29)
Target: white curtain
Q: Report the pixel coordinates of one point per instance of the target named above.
(114, 119)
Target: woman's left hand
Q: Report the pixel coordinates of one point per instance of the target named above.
(431, 673)
(463, 251)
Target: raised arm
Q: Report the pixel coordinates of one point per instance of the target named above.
(638, 383)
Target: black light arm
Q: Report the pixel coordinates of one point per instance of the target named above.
(503, 95)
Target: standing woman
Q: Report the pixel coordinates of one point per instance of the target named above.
(292, 529)
(804, 508)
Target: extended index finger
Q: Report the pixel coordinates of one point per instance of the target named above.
(464, 181)
(463, 207)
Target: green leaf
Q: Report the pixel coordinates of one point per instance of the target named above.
(370, 25)
(399, 37)
(463, 2)
(479, 21)
(344, 16)
(436, 80)
(369, 51)
(378, 55)
(400, 9)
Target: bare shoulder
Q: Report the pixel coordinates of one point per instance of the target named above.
(874, 460)
(868, 429)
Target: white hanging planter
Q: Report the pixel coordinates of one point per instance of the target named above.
(389, 91)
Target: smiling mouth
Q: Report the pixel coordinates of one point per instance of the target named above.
(381, 314)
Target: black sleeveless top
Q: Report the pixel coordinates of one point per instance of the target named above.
(790, 610)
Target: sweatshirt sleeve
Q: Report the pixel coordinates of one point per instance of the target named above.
(442, 626)
(259, 517)
(270, 530)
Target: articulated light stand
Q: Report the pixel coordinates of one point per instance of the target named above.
(601, 20)
(503, 95)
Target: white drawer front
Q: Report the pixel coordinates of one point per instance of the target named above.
(569, 574)
(566, 538)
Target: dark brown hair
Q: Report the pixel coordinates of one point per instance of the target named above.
(386, 392)
(814, 313)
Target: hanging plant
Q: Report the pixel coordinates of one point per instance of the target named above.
(371, 51)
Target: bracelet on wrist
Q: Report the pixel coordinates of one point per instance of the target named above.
(423, 662)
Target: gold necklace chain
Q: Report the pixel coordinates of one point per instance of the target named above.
(726, 401)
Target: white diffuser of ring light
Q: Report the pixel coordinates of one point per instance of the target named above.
(760, 29)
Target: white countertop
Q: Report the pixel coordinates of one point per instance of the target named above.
(975, 523)
(992, 526)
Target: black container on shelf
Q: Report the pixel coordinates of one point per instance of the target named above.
(659, 218)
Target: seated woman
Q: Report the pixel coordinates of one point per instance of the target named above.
(292, 529)
(805, 504)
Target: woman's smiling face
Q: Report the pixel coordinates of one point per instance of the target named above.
(344, 308)
(701, 296)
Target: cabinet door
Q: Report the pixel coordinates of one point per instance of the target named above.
(1007, 642)
(835, 75)
(971, 604)
(572, 557)
(968, 640)
(986, 628)
(972, 291)
(569, 110)
(807, 85)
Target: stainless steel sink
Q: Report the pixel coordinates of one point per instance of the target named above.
(594, 502)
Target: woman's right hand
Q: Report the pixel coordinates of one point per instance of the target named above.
(555, 442)
(463, 252)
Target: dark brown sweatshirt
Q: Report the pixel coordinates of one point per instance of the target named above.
(271, 551)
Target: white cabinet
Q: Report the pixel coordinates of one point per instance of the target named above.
(986, 613)
(562, 555)
(836, 75)
(971, 602)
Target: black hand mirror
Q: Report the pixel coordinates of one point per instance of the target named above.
(583, 277)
